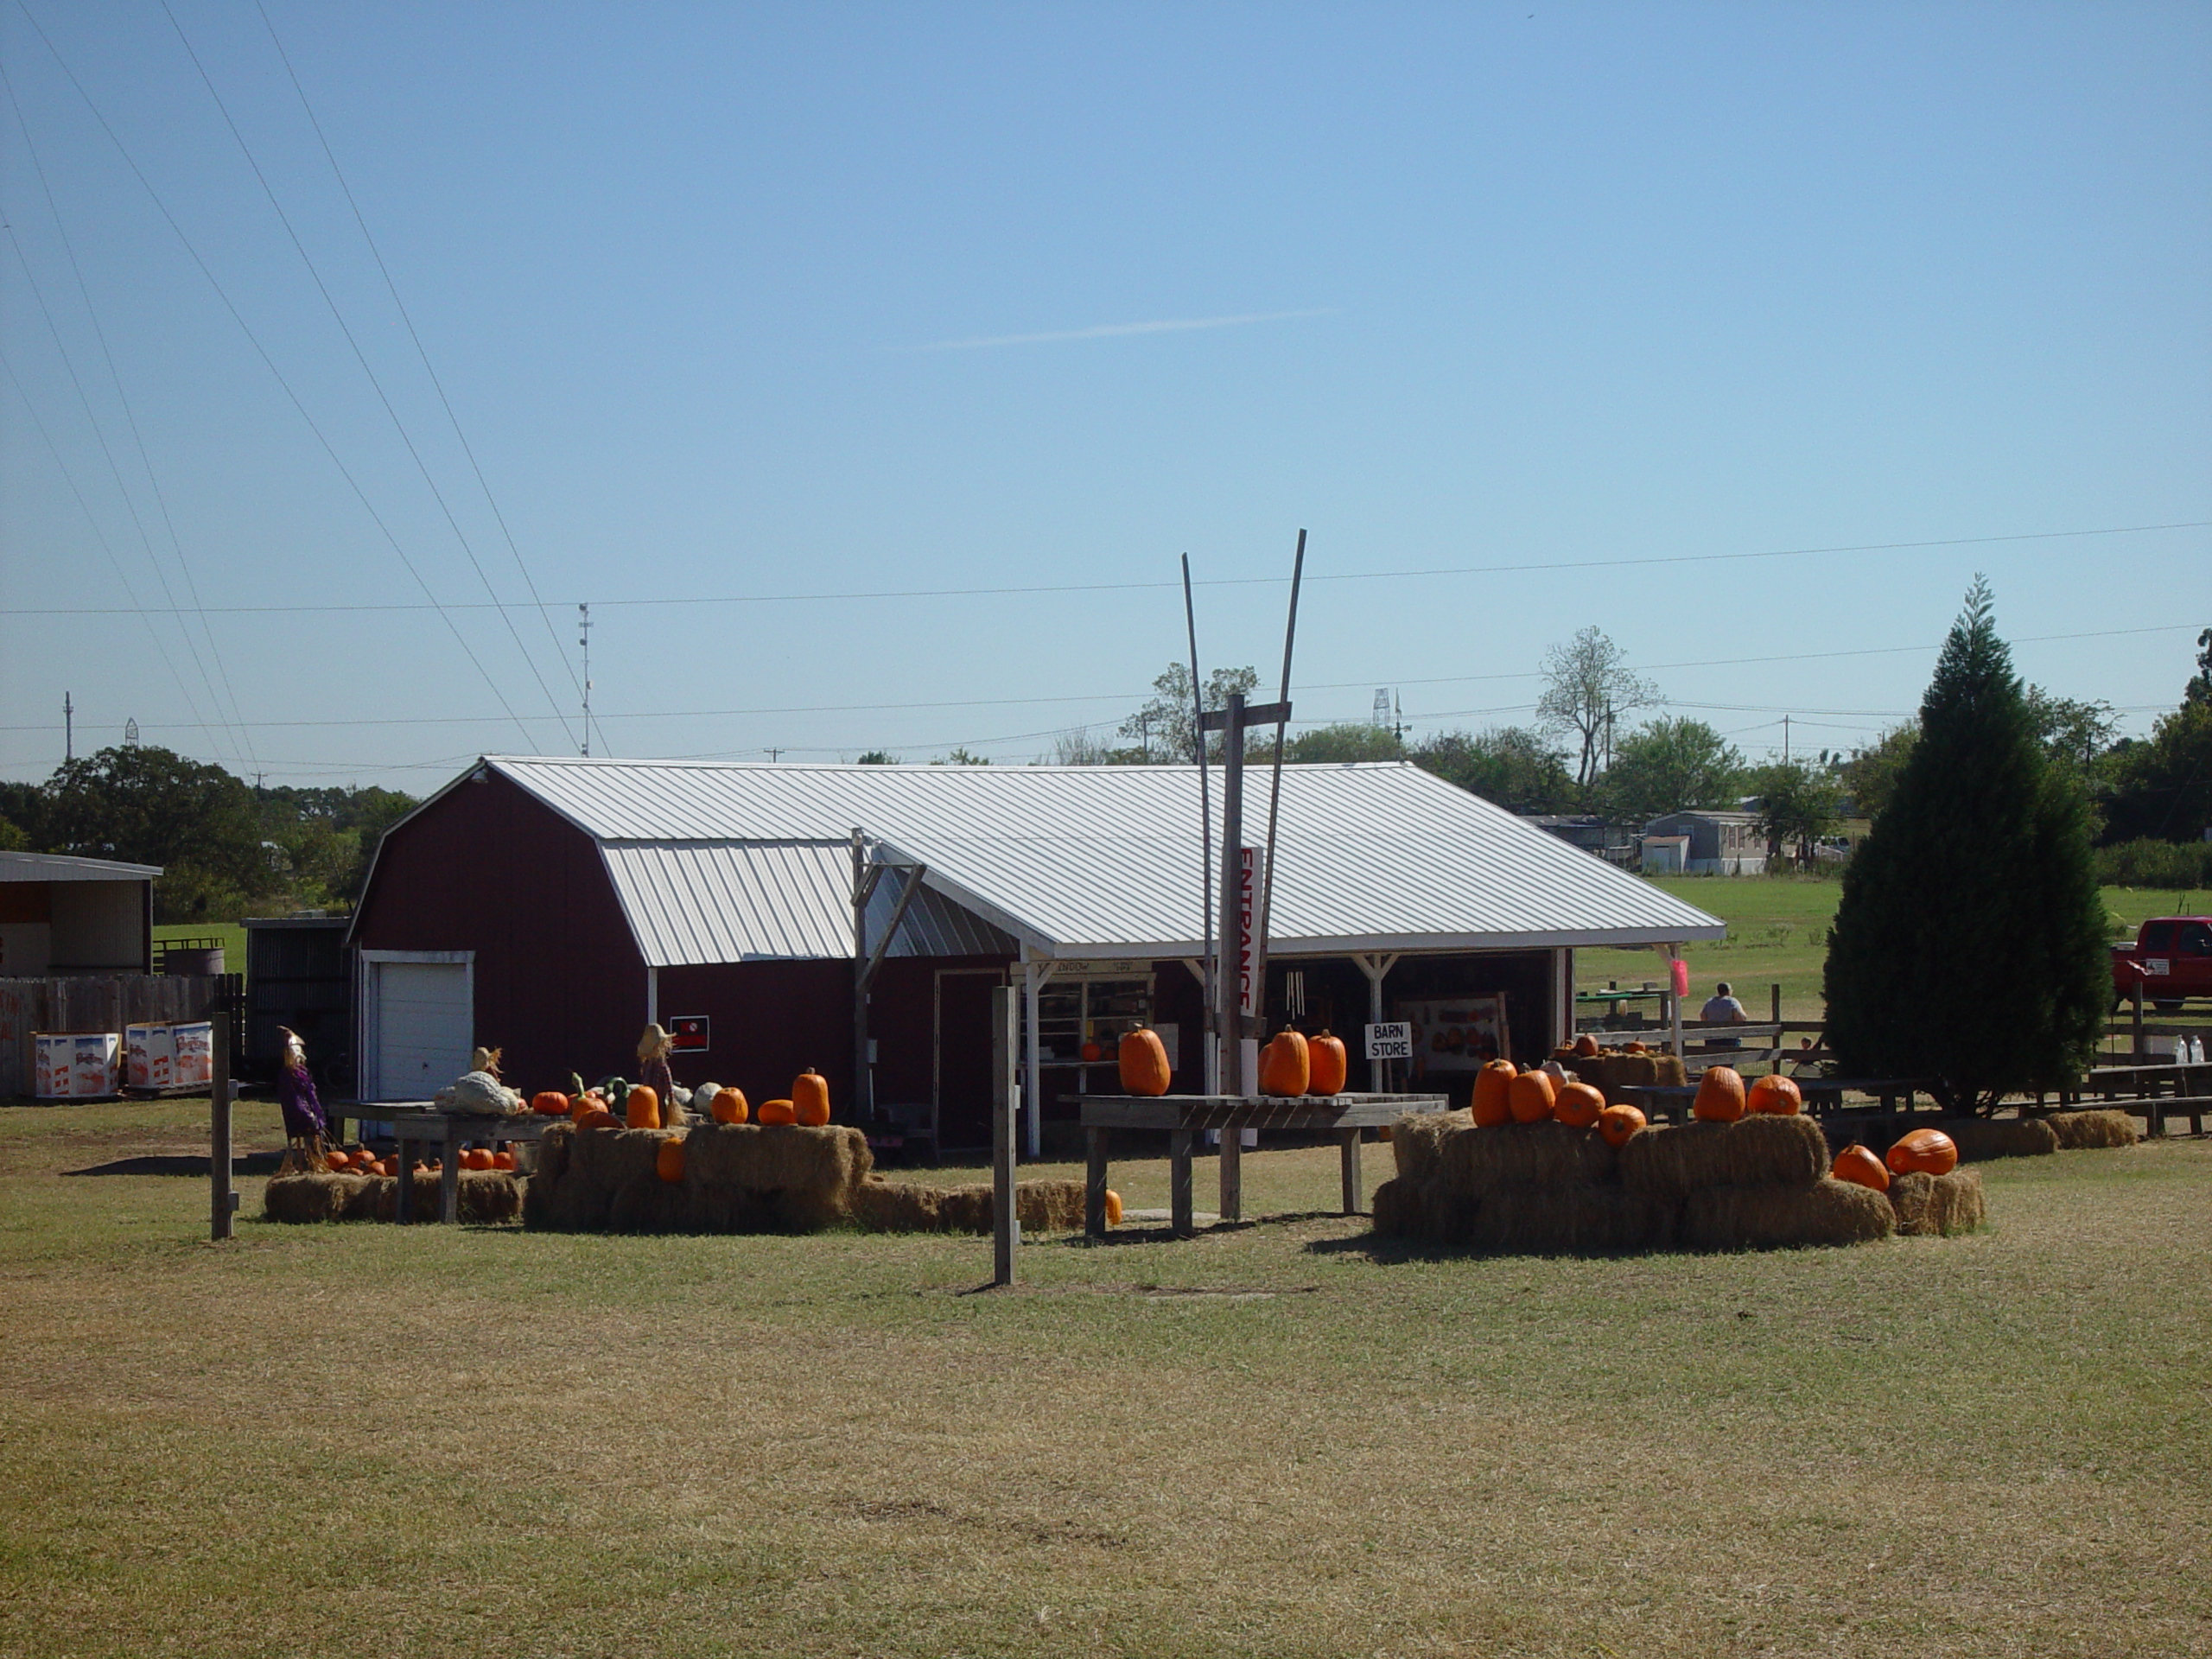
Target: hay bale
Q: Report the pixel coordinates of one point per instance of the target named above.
(1514, 1155)
(1979, 1139)
(613, 1158)
(967, 1209)
(899, 1206)
(1773, 1216)
(1417, 1140)
(650, 1205)
(1395, 1211)
(308, 1196)
(489, 1195)
(1612, 1071)
(2076, 1130)
(1578, 1220)
(769, 1158)
(1938, 1206)
(1419, 1213)
(552, 1152)
(1759, 1151)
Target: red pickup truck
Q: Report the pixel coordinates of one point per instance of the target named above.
(2170, 959)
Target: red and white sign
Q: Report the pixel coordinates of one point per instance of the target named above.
(687, 1034)
(1248, 925)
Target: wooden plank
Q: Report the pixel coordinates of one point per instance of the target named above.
(1353, 1193)
(1181, 1212)
(1094, 1183)
(1232, 1172)
(222, 1199)
(1005, 1224)
(448, 1186)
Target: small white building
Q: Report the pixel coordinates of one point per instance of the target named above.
(1711, 843)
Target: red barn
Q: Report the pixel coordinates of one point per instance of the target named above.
(552, 906)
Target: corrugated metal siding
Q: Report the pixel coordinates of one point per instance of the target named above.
(689, 903)
(1104, 860)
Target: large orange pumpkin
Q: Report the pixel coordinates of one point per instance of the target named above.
(1585, 1046)
(1285, 1066)
(502, 1159)
(551, 1103)
(730, 1106)
(1855, 1163)
(1924, 1152)
(1494, 1094)
(1529, 1097)
(598, 1118)
(668, 1162)
(590, 1101)
(1776, 1095)
(1578, 1105)
(1719, 1096)
(1144, 1062)
(1616, 1123)
(810, 1099)
(776, 1111)
(338, 1162)
(643, 1110)
(1328, 1064)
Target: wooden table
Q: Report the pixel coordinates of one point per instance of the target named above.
(418, 1124)
(1186, 1115)
(2160, 1091)
(1822, 1095)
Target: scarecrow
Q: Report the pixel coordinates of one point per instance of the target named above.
(305, 1126)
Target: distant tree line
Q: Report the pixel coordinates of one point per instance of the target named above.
(225, 848)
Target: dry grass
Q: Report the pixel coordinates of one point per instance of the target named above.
(1981, 1138)
(1282, 1438)
(2078, 1130)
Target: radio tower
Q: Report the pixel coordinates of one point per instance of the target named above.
(584, 639)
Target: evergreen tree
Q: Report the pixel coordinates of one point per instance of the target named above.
(1970, 944)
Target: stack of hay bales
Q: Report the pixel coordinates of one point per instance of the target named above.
(487, 1195)
(738, 1178)
(1609, 1070)
(1548, 1189)
(2075, 1130)
(908, 1207)
(1938, 1206)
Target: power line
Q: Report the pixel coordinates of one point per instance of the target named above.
(269, 362)
(1047, 590)
(360, 357)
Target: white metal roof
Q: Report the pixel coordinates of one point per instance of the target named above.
(1082, 863)
(62, 866)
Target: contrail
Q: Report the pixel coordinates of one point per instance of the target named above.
(1110, 330)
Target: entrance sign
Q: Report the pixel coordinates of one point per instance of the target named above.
(1391, 1040)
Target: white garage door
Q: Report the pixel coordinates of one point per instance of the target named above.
(425, 1027)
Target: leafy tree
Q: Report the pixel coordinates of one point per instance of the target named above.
(1353, 740)
(1870, 776)
(1968, 944)
(962, 757)
(877, 758)
(2162, 787)
(1511, 766)
(1164, 729)
(1587, 686)
(12, 840)
(1798, 804)
(149, 805)
(2199, 688)
(1668, 766)
(24, 806)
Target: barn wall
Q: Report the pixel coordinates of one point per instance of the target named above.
(560, 984)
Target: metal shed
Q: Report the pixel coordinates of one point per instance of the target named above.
(553, 906)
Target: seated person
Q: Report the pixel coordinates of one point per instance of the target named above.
(1722, 1009)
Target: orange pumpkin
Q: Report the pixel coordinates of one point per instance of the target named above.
(1634, 1048)
(597, 1118)
(1530, 1096)
(643, 1108)
(730, 1106)
(1924, 1152)
(588, 1102)
(1719, 1096)
(1616, 1123)
(338, 1162)
(1144, 1062)
(1326, 1063)
(1113, 1208)
(810, 1099)
(1855, 1163)
(776, 1111)
(668, 1162)
(1285, 1066)
(1493, 1094)
(551, 1103)
(1776, 1094)
(502, 1159)
(1092, 1052)
(1586, 1045)
(1578, 1105)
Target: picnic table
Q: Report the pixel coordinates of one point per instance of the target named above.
(1184, 1116)
(419, 1123)
(2162, 1089)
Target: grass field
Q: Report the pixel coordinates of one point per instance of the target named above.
(1275, 1439)
(1777, 934)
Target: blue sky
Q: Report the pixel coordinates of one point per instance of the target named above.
(742, 302)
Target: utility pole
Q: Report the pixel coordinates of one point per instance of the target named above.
(1785, 739)
(775, 754)
(68, 728)
(584, 639)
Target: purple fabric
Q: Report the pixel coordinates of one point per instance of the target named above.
(296, 1099)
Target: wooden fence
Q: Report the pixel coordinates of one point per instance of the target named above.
(95, 1002)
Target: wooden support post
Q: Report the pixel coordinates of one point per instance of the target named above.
(1094, 1183)
(403, 1198)
(1232, 1174)
(449, 1178)
(1005, 1226)
(222, 1201)
(1777, 1008)
(1352, 1193)
(2136, 1041)
(1181, 1216)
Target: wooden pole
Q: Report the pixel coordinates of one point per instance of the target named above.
(1006, 1227)
(862, 1102)
(1207, 961)
(222, 1201)
(1778, 1004)
(2136, 1054)
(1235, 960)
